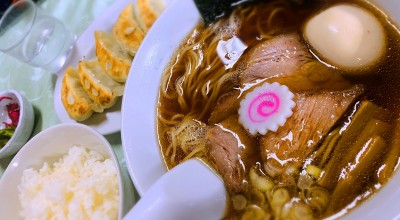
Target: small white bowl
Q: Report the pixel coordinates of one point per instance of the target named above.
(49, 146)
(25, 125)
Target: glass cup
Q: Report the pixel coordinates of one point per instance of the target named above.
(34, 37)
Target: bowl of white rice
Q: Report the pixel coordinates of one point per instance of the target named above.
(68, 171)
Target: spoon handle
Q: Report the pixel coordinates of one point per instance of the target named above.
(191, 190)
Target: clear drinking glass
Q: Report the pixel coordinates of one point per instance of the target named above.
(34, 37)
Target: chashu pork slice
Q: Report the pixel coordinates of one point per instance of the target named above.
(313, 117)
(231, 151)
(279, 56)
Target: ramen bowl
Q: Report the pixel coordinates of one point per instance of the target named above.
(48, 147)
(139, 110)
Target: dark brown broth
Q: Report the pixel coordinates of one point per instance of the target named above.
(382, 81)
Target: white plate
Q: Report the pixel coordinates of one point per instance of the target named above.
(139, 137)
(110, 120)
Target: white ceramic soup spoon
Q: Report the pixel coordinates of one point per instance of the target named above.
(191, 190)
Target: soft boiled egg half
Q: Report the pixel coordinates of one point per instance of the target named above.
(346, 36)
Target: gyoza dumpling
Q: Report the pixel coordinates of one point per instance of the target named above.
(147, 12)
(76, 101)
(127, 31)
(114, 60)
(98, 84)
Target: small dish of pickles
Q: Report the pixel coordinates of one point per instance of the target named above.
(16, 122)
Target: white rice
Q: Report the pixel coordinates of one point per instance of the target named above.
(81, 185)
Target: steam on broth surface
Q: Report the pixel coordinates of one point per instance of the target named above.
(339, 146)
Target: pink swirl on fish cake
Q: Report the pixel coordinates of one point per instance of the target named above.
(263, 106)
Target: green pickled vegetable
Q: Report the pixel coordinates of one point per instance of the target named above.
(13, 114)
(5, 135)
(7, 132)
